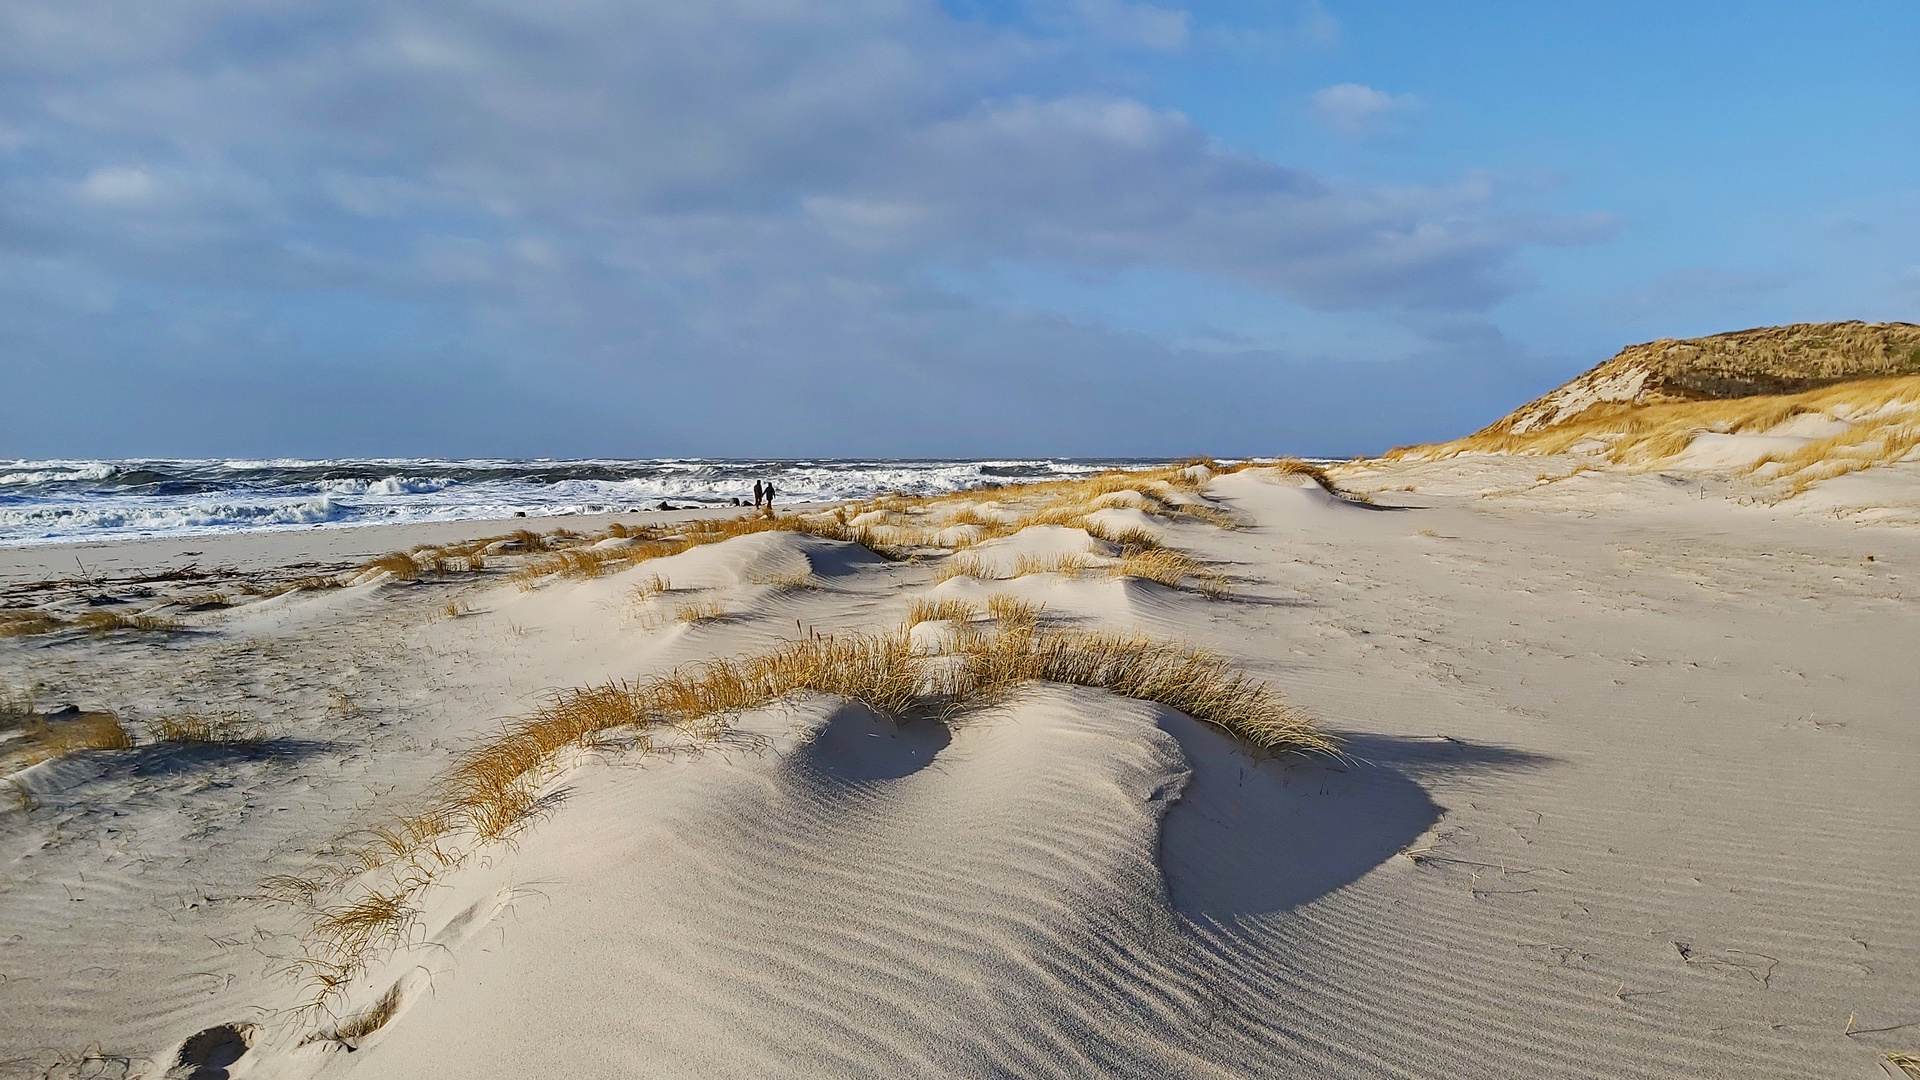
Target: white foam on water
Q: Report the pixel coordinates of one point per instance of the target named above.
(61, 501)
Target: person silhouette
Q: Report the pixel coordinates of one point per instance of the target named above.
(756, 493)
(769, 496)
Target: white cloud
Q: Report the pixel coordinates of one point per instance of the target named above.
(118, 186)
(1355, 110)
(1141, 25)
(724, 187)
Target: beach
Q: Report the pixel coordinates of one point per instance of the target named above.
(1623, 788)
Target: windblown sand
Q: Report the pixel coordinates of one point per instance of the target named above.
(1629, 791)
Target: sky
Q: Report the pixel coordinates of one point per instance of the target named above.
(565, 228)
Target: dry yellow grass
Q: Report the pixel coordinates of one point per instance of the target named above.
(799, 579)
(1197, 682)
(350, 1030)
(398, 563)
(651, 588)
(455, 610)
(496, 782)
(1765, 361)
(897, 526)
(1908, 1064)
(194, 729)
(1069, 565)
(27, 623)
(1142, 556)
(1296, 467)
(963, 566)
(1132, 541)
(970, 514)
(496, 787)
(973, 567)
(584, 562)
(1058, 502)
(365, 924)
(1883, 417)
(1173, 569)
(1013, 613)
(943, 610)
(32, 737)
(1164, 565)
(699, 612)
(103, 622)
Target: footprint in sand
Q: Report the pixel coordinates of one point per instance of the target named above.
(207, 1054)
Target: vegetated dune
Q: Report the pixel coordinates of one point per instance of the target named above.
(1770, 360)
(996, 785)
(1788, 407)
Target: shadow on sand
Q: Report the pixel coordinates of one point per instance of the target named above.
(1249, 837)
(164, 758)
(856, 746)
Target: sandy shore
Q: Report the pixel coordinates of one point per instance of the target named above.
(1627, 792)
(319, 546)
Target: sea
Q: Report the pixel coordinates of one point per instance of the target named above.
(46, 502)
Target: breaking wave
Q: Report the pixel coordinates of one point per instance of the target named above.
(55, 501)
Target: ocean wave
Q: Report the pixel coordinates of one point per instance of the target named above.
(388, 485)
(46, 472)
(53, 501)
(70, 520)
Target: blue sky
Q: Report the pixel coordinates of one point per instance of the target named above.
(750, 227)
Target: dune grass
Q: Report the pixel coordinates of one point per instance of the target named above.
(699, 612)
(1151, 561)
(1164, 565)
(945, 609)
(963, 565)
(1194, 681)
(350, 1030)
(197, 730)
(797, 581)
(32, 737)
(582, 562)
(496, 787)
(398, 563)
(899, 526)
(1070, 565)
(495, 783)
(652, 587)
(1013, 613)
(1131, 541)
(1882, 417)
(1296, 467)
(29, 623)
(105, 622)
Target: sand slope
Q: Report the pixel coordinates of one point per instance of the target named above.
(1628, 794)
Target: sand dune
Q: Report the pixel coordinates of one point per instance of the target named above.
(1625, 792)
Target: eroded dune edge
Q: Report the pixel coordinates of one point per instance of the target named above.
(1190, 772)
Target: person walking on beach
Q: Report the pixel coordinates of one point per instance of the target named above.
(769, 496)
(756, 493)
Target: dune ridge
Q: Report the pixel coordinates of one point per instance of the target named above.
(1620, 794)
(1782, 410)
